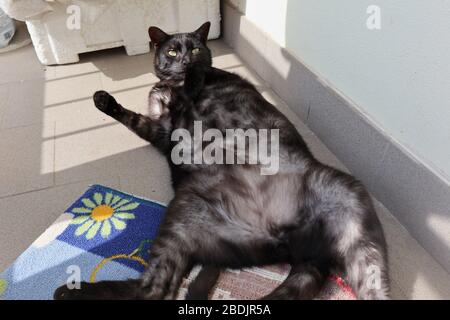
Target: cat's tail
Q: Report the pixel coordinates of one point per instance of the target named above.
(366, 272)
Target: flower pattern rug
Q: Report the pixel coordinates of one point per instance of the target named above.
(107, 235)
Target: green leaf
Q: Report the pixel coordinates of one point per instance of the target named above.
(118, 224)
(79, 220)
(93, 231)
(106, 229)
(108, 198)
(125, 215)
(98, 198)
(84, 227)
(88, 203)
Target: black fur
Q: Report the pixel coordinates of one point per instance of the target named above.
(316, 218)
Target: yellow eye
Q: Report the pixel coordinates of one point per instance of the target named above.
(196, 51)
(172, 53)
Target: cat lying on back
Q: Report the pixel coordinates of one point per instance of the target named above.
(318, 219)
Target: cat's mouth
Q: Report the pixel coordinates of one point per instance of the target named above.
(181, 71)
(172, 74)
(178, 75)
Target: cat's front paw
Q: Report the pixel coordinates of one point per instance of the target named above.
(106, 103)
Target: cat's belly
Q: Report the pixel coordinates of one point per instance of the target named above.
(262, 203)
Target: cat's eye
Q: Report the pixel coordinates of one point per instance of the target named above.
(196, 51)
(172, 53)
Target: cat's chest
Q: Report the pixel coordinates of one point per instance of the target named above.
(210, 109)
(206, 105)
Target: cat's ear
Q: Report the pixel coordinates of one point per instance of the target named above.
(202, 32)
(157, 36)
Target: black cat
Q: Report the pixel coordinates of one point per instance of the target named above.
(316, 218)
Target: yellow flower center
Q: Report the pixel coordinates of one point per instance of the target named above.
(102, 212)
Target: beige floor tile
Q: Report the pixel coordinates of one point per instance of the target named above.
(143, 161)
(414, 271)
(66, 90)
(82, 115)
(24, 217)
(116, 58)
(223, 56)
(4, 98)
(219, 48)
(120, 72)
(98, 152)
(58, 72)
(114, 83)
(21, 64)
(227, 61)
(26, 160)
(247, 74)
(134, 99)
(396, 291)
(76, 116)
(115, 80)
(95, 144)
(156, 186)
(25, 104)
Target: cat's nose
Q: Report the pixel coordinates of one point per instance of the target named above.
(185, 61)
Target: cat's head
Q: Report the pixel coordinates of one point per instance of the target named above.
(176, 53)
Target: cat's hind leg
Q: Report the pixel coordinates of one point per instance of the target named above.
(311, 262)
(338, 232)
(353, 236)
(304, 282)
(195, 232)
(201, 286)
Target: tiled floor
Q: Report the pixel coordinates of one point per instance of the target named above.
(54, 143)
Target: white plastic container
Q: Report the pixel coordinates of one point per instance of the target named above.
(7, 29)
(107, 24)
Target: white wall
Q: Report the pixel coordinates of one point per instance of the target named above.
(399, 75)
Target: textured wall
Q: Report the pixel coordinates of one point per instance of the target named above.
(398, 75)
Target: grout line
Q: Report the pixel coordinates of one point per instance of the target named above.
(102, 81)
(72, 76)
(96, 127)
(25, 192)
(34, 123)
(58, 104)
(88, 180)
(40, 78)
(54, 153)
